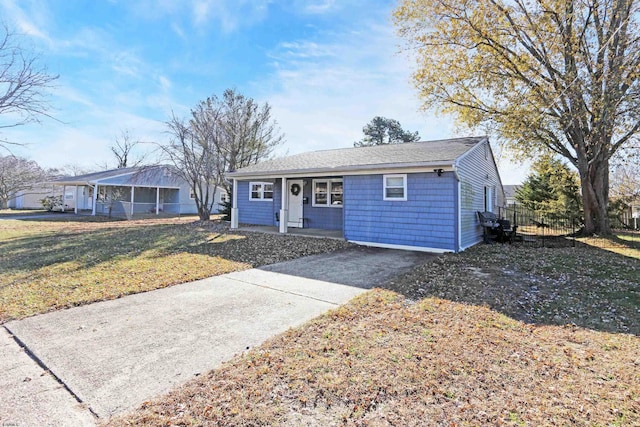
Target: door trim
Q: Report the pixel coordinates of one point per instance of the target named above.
(300, 207)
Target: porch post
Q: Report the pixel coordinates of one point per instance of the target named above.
(95, 199)
(234, 205)
(157, 200)
(284, 212)
(132, 198)
(75, 207)
(64, 197)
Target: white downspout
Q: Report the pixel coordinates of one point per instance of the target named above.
(64, 197)
(234, 205)
(75, 207)
(157, 200)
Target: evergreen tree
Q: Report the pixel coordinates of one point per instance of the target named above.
(551, 190)
(381, 131)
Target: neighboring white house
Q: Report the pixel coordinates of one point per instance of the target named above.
(32, 198)
(510, 194)
(131, 191)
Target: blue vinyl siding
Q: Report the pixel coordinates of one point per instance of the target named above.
(427, 219)
(258, 212)
(325, 218)
(264, 213)
(476, 170)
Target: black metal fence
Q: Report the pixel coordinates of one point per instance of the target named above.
(539, 230)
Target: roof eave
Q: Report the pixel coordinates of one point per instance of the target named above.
(348, 170)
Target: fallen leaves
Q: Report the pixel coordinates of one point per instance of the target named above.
(48, 265)
(435, 362)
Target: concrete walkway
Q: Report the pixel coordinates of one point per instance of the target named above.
(109, 357)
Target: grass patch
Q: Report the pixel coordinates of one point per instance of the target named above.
(582, 286)
(63, 261)
(627, 244)
(380, 361)
(496, 335)
(22, 211)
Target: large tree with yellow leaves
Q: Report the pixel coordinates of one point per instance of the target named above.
(557, 76)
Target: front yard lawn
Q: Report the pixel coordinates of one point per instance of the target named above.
(496, 335)
(63, 262)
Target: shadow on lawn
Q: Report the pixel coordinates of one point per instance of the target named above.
(90, 247)
(583, 286)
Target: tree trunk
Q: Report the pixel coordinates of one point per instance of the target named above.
(204, 214)
(594, 179)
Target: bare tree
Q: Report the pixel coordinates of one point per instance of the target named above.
(122, 150)
(223, 134)
(18, 174)
(193, 159)
(71, 169)
(22, 84)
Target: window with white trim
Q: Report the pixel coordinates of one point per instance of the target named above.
(328, 193)
(395, 187)
(261, 191)
(488, 199)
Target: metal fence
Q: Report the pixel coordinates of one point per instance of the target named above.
(539, 230)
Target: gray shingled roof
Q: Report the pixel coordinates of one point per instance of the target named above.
(441, 152)
(510, 190)
(95, 176)
(100, 176)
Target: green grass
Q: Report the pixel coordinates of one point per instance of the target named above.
(627, 244)
(65, 262)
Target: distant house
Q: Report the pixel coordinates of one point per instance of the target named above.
(421, 196)
(32, 198)
(131, 191)
(630, 216)
(510, 194)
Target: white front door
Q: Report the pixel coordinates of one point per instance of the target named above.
(295, 203)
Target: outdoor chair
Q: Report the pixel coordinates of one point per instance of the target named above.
(494, 227)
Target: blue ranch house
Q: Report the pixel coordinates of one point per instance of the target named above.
(418, 196)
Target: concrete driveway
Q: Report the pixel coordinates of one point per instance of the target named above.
(111, 356)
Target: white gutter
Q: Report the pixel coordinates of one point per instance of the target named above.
(322, 172)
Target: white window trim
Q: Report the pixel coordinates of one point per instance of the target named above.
(488, 198)
(404, 187)
(261, 191)
(328, 181)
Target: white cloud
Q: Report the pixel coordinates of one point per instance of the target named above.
(178, 30)
(230, 14)
(323, 92)
(29, 17)
(85, 144)
(316, 7)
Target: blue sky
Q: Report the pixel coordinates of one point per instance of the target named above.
(326, 67)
